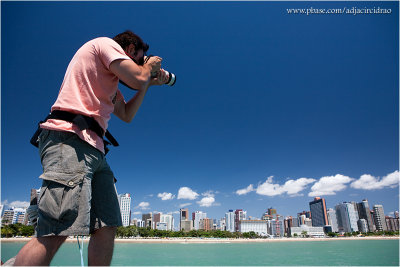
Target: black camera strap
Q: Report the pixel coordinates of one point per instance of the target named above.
(83, 122)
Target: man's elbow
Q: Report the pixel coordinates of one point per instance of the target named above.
(127, 118)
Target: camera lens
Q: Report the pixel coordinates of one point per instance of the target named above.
(171, 78)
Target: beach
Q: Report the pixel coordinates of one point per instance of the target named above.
(217, 240)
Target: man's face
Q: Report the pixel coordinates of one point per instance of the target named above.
(137, 56)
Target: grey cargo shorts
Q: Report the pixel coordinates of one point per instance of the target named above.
(78, 194)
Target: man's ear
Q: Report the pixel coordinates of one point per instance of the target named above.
(130, 49)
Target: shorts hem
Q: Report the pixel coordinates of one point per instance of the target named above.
(67, 232)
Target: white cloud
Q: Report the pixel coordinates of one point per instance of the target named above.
(144, 205)
(208, 193)
(185, 205)
(187, 193)
(369, 182)
(206, 202)
(16, 204)
(246, 190)
(137, 212)
(166, 196)
(269, 189)
(175, 212)
(291, 187)
(329, 185)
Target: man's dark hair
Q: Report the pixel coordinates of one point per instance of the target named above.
(128, 37)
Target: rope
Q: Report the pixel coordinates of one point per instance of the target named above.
(80, 250)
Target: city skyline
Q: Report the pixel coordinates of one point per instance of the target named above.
(187, 194)
(270, 109)
(360, 218)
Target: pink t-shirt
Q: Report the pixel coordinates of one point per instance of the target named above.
(89, 88)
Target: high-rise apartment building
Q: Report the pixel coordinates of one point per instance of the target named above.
(239, 215)
(362, 225)
(185, 223)
(301, 219)
(125, 207)
(169, 220)
(14, 215)
(287, 223)
(277, 227)
(318, 212)
(392, 224)
(230, 221)
(206, 224)
(148, 220)
(196, 217)
(347, 217)
(8, 217)
(271, 211)
(305, 213)
(379, 218)
(365, 213)
(157, 218)
(332, 220)
(222, 224)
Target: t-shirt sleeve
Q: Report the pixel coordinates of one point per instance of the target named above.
(109, 51)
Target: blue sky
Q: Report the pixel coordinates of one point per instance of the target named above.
(286, 106)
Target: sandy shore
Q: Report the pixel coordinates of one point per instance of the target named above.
(217, 240)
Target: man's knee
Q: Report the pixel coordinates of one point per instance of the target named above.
(106, 230)
(52, 242)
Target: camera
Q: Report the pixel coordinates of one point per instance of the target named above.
(171, 77)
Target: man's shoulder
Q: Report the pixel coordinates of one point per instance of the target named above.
(104, 40)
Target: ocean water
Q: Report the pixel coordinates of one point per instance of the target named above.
(310, 253)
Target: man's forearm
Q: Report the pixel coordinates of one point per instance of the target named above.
(133, 105)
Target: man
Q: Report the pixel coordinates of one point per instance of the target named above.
(78, 196)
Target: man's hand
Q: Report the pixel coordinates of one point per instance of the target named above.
(160, 79)
(153, 63)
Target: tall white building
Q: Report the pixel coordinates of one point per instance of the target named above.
(125, 207)
(197, 216)
(230, 221)
(332, 220)
(169, 220)
(379, 218)
(347, 217)
(362, 225)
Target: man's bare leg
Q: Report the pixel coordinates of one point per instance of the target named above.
(101, 246)
(39, 251)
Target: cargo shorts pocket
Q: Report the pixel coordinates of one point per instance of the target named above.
(62, 159)
(58, 203)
